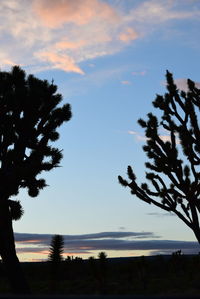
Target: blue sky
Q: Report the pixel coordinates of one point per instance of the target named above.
(108, 59)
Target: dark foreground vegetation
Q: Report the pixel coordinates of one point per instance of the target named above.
(158, 275)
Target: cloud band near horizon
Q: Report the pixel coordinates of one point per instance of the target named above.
(104, 241)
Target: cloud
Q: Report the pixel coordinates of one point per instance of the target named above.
(128, 35)
(164, 138)
(66, 44)
(80, 12)
(86, 33)
(137, 136)
(72, 32)
(77, 244)
(182, 84)
(122, 228)
(60, 61)
(155, 12)
(126, 82)
(97, 78)
(141, 138)
(132, 132)
(91, 65)
(44, 238)
(167, 138)
(161, 214)
(115, 241)
(140, 73)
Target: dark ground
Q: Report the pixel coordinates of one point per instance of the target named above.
(176, 276)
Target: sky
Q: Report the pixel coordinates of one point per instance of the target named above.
(108, 59)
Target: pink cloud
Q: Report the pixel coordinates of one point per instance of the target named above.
(60, 61)
(65, 44)
(128, 35)
(142, 138)
(165, 138)
(85, 29)
(55, 13)
(125, 82)
(29, 241)
(182, 84)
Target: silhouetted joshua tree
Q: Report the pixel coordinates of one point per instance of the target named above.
(55, 258)
(29, 118)
(56, 249)
(174, 177)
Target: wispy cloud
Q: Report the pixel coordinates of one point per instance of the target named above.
(97, 77)
(156, 12)
(165, 138)
(126, 82)
(140, 73)
(50, 34)
(60, 61)
(138, 136)
(161, 214)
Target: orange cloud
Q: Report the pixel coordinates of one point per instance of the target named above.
(128, 35)
(28, 241)
(8, 62)
(55, 13)
(60, 61)
(43, 252)
(64, 44)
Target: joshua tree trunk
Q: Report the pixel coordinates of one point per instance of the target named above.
(197, 234)
(8, 252)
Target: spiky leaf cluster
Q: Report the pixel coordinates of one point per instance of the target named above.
(180, 192)
(29, 118)
(16, 209)
(56, 249)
